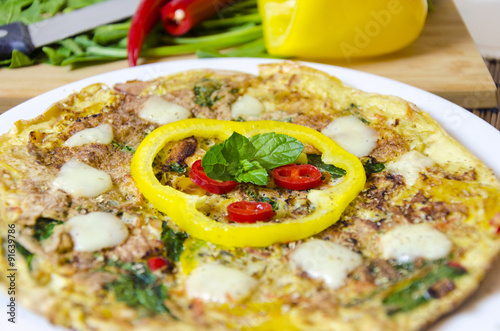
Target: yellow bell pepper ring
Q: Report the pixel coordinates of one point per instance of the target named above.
(323, 29)
(182, 208)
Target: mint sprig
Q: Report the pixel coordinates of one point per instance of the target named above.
(247, 160)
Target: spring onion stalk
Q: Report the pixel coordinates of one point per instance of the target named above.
(231, 21)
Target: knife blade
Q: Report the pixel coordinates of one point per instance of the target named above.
(26, 38)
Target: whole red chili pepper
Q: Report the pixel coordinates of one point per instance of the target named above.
(146, 16)
(179, 16)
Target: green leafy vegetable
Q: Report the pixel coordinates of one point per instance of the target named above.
(176, 167)
(371, 166)
(18, 60)
(416, 293)
(237, 24)
(137, 287)
(247, 160)
(44, 227)
(316, 161)
(174, 241)
(24, 252)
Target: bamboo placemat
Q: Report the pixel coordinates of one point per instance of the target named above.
(491, 115)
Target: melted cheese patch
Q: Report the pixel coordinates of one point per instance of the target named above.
(246, 106)
(95, 231)
(218, 283)
(325, 260)
(78, 178)
(160, 111)
(408, 242)
(409, 165)
(352, 135)
(102, 134)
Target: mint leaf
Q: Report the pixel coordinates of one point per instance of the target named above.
(275, 150)
(214, 163)
(237, 148)
(251, 172)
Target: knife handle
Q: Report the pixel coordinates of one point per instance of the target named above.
(14, 36)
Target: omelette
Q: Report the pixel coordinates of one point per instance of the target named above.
(109, 230)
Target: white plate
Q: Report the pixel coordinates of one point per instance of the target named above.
(480, 311)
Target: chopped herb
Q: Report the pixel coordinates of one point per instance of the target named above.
(286, 119)
(417, 293)
(44, 227)
(174, 241)
(24, 252)
(122, 147)
(364, 120)
(372, 166)
(176, 167)
(335, 172)
(137, 287)
(204, 92)
(257, 198)
(273, 203)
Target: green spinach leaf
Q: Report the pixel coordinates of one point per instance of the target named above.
(174, 241)
(315, 160)
(137, 287)
(24, 252)
(416, 293)
(44, 227)
(371, 166)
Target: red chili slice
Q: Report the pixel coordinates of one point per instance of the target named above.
(297, 176)
(156, 263)
(249, 211)
(200, 178)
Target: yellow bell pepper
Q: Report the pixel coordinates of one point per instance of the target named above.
(324, 29)
(182, 207)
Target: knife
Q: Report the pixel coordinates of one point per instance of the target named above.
(25, 38)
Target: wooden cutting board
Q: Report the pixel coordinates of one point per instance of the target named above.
(444, 61)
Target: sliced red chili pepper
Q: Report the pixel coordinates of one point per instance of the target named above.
(156, 263)
(249, 211)
(179, 16)
(200, 178)
(146, 16)
(297, 176)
